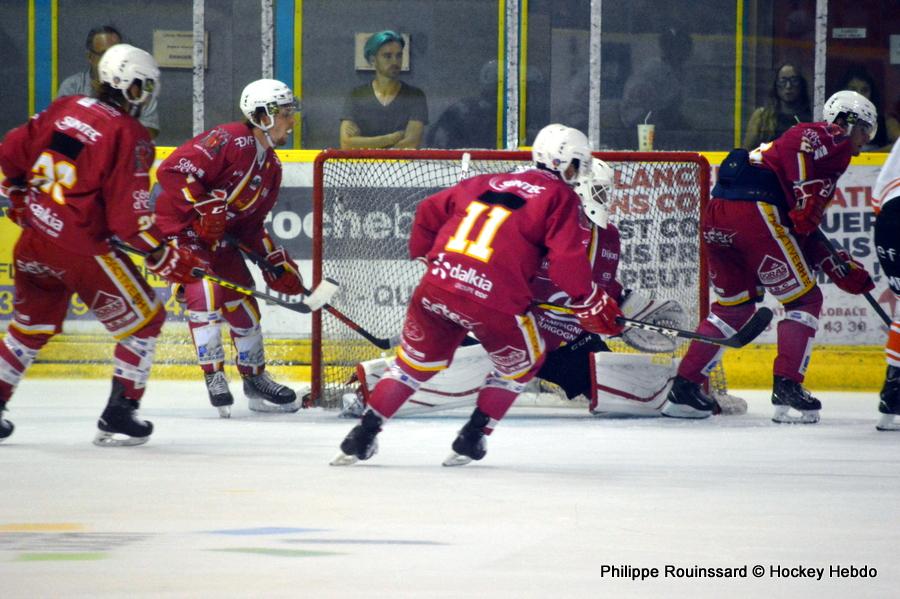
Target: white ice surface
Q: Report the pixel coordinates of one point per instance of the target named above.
(249, 507)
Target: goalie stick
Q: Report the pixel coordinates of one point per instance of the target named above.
(747, 333)
(872, 302)
(261, 262)
(324, 290)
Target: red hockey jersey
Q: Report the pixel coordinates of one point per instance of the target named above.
(486, 237)
(805, 152)
(87, 165)
(227, 158)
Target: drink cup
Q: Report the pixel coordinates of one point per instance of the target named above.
(646, 133)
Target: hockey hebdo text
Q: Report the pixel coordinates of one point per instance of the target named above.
(774, 571)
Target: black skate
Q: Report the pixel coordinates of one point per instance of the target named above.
(361, 442)
(889, 406)
(119, 425)
(6, 427)
(687, 400)
(265, 395)
(219, 395)
(470, 442)
(787, 395)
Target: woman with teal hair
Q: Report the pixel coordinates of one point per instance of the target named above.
(386, 113)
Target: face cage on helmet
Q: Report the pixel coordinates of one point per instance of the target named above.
(147, 88)
(854, 120)
(272, 109)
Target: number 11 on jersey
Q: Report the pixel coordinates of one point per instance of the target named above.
(480, 248)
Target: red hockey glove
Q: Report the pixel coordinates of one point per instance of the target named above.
(289, 281)
(213, 213)
(598, 314)
(848, 274)
(16, 191)
(812, 199)
(174, 263)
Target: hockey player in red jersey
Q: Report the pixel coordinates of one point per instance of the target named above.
(77, 174)
(483, 240)
(761, 234)
(226, 181)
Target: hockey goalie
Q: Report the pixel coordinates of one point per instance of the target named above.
(578, 364)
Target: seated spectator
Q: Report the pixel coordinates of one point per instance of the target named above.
(87, 82)
(858, 79)
(472, 121)
(385, 113)
(788, 105)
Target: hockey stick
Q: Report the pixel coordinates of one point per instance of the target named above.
(301, 307)
(838, 260)
(262, 263)
(747, 333)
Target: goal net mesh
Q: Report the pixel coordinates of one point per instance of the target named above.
(364, 203)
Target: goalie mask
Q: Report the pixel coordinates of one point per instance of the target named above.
(270, 96)
(123, 66)
(855, 108)
(594, 189)
(557, 147)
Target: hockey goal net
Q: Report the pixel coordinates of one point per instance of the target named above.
(364, 202)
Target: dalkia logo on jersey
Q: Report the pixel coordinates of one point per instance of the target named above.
(459, 272)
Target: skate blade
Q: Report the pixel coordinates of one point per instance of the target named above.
(788, 415)
(673, 410)
(261, 405)
(888, 423)
(106, 439)
(455, 459)
(342, 459)
(224, 411)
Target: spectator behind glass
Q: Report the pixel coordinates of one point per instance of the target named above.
(386, 113)
(788, 105)
(656, 88)
(87, 82)
(893, 122)
(858, 79)
(471, 122)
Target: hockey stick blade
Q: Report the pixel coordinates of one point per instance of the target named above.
(750, 331)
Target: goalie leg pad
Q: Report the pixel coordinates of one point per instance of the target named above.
(631, 384)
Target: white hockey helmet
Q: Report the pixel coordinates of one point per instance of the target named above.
(123, 65)
(270, 95)
(557, 146)
(855, 108)
(594, 188)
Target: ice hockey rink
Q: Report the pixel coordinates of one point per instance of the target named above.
(249, 507)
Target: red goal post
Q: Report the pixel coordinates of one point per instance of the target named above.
(364, 201)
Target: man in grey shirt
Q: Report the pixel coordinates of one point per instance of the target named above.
(82, 84)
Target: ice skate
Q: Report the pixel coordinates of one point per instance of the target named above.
(219, 395)
(265, 395)
(470, 442)
(119, 425)
(361, 443)
(788, 395)
(889, 406)
(6, 427)
(687, 400)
